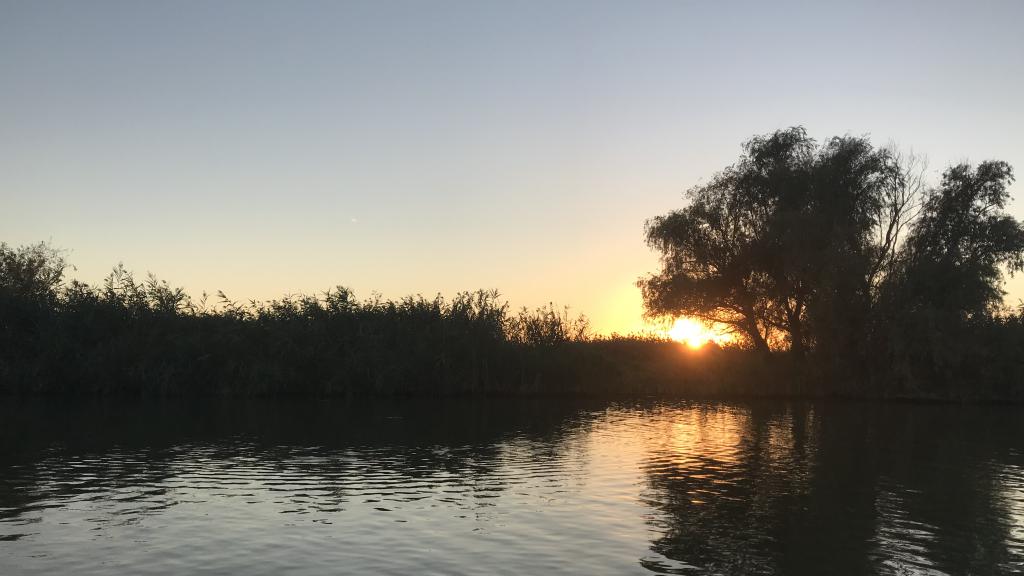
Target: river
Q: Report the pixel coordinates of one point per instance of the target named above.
(540, 486)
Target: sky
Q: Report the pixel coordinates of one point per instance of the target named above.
(265, 148)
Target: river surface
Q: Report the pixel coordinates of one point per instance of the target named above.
(511, 487)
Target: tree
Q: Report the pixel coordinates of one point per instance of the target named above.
(32, 273)
(786, 246)
(951, 270)
(939, 321)
(956, 253)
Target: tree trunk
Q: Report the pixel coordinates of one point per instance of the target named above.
(760, 344)
(796, 335)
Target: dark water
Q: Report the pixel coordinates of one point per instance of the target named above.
(539, 487)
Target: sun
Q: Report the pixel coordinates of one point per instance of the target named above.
(694, 334)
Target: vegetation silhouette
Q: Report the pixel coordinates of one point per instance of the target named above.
(835, 266)
(127, 337)
(841, 253)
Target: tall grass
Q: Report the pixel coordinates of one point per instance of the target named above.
(147, 338)
(127, 336)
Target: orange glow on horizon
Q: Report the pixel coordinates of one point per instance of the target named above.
(695, 334)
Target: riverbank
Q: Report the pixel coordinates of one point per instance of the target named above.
(146, 339)
(225, 364)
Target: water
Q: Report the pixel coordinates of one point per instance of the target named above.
(511, 487)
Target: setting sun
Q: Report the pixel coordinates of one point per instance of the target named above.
(695, 334)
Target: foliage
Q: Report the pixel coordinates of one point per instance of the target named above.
(941, 315)
(954, 259)
(127, 336)
(791, 235)
(546, 326)
(31, 273)
(841, 249)
(838, 253)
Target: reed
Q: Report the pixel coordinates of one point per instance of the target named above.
(147, 338)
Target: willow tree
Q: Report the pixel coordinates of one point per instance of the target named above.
(787, 245)
(960, 246)
(952, 269)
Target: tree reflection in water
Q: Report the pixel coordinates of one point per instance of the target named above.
(847, 488)
(519, 486)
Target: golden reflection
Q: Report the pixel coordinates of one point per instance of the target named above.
(687, 440)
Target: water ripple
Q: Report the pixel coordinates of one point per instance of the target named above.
(676, 488)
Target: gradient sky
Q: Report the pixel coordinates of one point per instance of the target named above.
(425, 147)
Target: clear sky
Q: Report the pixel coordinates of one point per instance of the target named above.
(266, 148)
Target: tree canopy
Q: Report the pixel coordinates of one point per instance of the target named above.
(798, 244)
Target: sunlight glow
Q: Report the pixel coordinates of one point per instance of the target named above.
(695, 334)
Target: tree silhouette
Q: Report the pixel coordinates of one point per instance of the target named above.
(939, 315)
(32, 272)
(840, 248)
(954, 257)
(787, 245)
